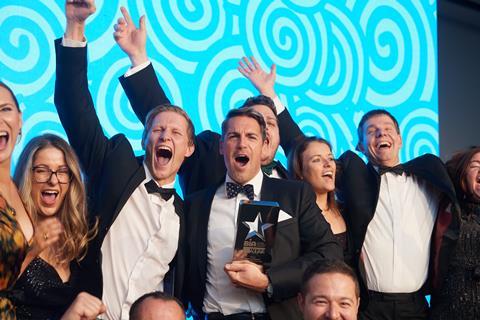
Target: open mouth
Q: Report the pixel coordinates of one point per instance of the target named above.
(164, 155)
(384, 145)
(49, 196)
(3, 139)
(328, 174)
(242, 160)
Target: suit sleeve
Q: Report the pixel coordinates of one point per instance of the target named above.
(75, 108)
(289, 131)
(144, 91)
(316, 242)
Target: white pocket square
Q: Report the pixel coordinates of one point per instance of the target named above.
(282, 216)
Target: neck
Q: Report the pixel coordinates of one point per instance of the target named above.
(322, 202)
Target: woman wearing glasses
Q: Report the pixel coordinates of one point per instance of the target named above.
(50, 184)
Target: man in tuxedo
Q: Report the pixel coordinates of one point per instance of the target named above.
(220, 287)
(144, 92)
(391, 210)
(138, 247)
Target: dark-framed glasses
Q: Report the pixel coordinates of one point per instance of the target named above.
(43, 174)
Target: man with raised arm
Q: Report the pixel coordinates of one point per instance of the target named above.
(391, 210)
(205, 167)
(138, 248)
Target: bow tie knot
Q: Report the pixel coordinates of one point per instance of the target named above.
(268, 169)
(165, 193)
(234, 189)
(398, 170)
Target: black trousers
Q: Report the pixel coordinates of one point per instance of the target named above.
(395, 306)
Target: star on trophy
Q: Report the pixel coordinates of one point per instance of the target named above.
(256, 226)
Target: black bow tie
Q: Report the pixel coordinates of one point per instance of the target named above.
(165, 193)
(267, 169)
(233, 189)
(398, 170)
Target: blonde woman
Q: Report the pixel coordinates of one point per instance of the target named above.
(50, 183)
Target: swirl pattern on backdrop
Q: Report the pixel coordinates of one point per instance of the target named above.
(335, 61)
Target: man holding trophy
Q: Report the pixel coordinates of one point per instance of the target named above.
(225, 283)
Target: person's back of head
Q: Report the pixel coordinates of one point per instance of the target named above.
(157, 306)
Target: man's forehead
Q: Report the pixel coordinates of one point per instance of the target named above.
(380, 119)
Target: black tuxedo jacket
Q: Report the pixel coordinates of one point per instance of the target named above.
(111, 168)
(299, 241)
(358, 190)
(206, 166)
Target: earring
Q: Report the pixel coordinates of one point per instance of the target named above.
(19, 136)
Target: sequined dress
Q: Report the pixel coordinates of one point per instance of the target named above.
(40, 293)
(460, 295)
(13, 250)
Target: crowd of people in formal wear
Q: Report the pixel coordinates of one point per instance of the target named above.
(91, 231)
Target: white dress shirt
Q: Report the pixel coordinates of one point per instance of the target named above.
(138, 248)
(396, 249)
(221, 295)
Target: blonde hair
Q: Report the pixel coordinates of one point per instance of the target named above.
(72, 212)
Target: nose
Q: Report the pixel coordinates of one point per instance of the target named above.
(333, 312)
(164, 135)
(53, 179)
(380, 132)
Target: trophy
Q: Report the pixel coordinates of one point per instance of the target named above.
(256, 226)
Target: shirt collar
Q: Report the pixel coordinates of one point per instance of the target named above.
(148, 177)
(256, 182)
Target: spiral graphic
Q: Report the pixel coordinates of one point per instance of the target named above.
(27, 56)
(277, 35)
(316, 123)
(392, 37)
(419, 131)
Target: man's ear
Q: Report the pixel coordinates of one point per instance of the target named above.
(300, 301)
(220, 147)
(190, 150)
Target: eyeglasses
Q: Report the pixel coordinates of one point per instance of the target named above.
(43, 174)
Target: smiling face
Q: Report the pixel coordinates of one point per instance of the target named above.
(166, 146)
(330, 296)
(381, 141)
(242, 147)
(273, 134)
(48, 196)
(472, 177)
(318, 167)
(10, 125)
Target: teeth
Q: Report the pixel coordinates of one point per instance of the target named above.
(50, 192)
(3, 134)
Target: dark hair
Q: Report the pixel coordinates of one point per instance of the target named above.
(295, 164)
(328, 266)
(371, 114)
(245, 112)
(260, 100)
(457, 169)
(3, 85)
(133, 314)
(164, 108)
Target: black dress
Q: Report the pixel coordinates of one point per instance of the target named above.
(40, 293)
(460, 295)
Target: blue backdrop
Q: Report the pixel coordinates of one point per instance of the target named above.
(336, 60)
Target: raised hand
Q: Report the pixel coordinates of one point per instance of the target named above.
(77, 11)
(130, 39)
(247, 274)
(47, 233)
(84, 307)
(262, 81)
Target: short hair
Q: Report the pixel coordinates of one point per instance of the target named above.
(159, 295)
(295, 164)
(15, 101)
(260, 100)
(457, 169)
(245, 112)
(328, 267)
(73, 211)
(164, 108)
(370, 114)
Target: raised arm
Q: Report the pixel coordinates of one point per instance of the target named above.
(72, 97)
(141, 84)
(265, 84)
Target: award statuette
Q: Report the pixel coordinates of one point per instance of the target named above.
(256, 226)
